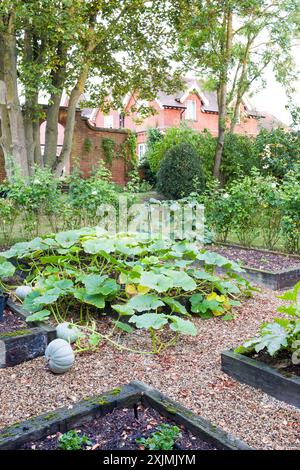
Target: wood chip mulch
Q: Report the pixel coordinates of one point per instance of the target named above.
(189, 373)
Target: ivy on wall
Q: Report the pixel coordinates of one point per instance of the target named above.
(128, 150)
(108, 146)
(87, 144)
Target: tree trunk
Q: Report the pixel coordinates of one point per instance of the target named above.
(52, 131)
(51, 136)
(19, 152)
(69, 130)
(222, 92)
(222, 97)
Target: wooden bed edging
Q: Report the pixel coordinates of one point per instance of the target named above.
(284, 387)
(26, 343)
(64, 419)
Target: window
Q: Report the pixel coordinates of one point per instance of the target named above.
(109, 121)
(190, 112)
(141, 151)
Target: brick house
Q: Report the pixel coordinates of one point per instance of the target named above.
(198, 108)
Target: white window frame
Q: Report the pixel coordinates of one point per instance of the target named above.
(191, 113)
(108, 121)
(141, 151)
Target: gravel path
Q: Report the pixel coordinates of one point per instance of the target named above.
(190, 373)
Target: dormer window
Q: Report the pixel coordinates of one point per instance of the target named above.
(191, 110)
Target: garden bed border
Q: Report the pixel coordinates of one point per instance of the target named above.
(29, 343)
(136, 392)
(273, 280)
(284, 387)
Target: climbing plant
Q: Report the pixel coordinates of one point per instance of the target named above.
(108, 146)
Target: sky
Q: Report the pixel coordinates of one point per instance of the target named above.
(273, 98)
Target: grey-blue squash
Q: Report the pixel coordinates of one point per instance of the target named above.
(23, 291)
(59, 356)
(67, 331)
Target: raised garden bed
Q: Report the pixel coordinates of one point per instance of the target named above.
(276, 271)
(149, 407)
(19, 341)
(279, 382)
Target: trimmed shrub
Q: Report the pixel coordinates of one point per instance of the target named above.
(180, 172)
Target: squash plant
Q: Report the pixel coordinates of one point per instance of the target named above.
(146, 283)
(281, 333)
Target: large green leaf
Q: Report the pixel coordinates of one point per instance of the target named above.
(67, 239)
(29, 304)
(41, 315)
(185, 327)
(97, 300)
(7, 269)
(158, 282)
(149, 320)
(98, 245)
(94, 283)
(142, 303)
(174, 305)
(273, 337)
(124, 326)
(123, 309)
(180, 279)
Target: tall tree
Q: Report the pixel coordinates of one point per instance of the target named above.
(230, 43)
(57, 45)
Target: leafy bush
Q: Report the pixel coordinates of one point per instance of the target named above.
(151, 283)
(202, 142)
(180, 172)
(40, 201)
(255, 206)
(278, 151)
(281, 333)
(290, 210)
(239, 157)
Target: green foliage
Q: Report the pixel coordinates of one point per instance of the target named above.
(163, 439)
(180, 172)
(282, 333)
(72, 440)
(80, 274)
(135, 184)
(128, 150)
(239, 157)
(256, 206)
(290, 210)
(87, 144)
(278, 151)
(108, 146)
(202, 142)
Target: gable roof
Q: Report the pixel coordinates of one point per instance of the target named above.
(270, 122)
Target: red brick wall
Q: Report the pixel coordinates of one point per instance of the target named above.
(88, 160)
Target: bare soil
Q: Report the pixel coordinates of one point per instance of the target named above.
(11, 323)
(258, 259)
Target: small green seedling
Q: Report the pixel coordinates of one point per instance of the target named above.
(71, 440)
(163, 439)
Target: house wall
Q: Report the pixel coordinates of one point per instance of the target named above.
(99, 121)
(173, 117)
